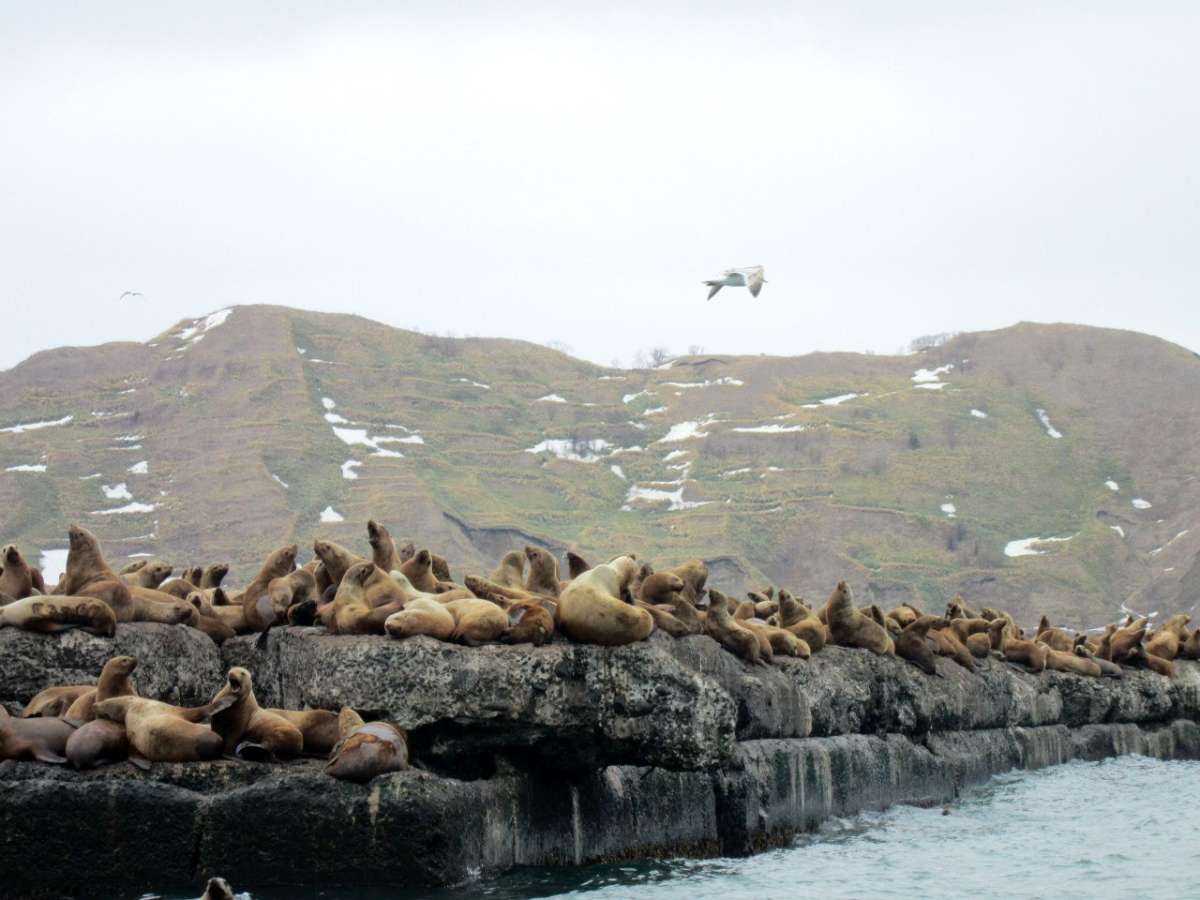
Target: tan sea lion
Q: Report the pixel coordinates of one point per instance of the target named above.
(213, 576)
(160, 732)
(951, 646)
(592, 609)
(249, 731)
(964, 628)
(1107, 669)
(16, 578)
(319, 727)
(351, 611)
(383, 548)
(88, 575)
(543, 572)
(150, 605)
(510, 573)
(147, 574)
(419, 572)
(43, 739)
(282, 593)
(114, 682)
(850, 628)
(54, 701)
(366, 750)
(904, 615)
(1124, 640)
(97, 743)
(421, 615)
(1166, 641)
(735, 638)
(484, 588)
(1054, 638)
(801, 621)
(1058, 661)
(54, 613)
(695, 575)
(279, 563)
(477, 621)
(979, 645)
(233, 616)
(1191, 647)
(214, 627)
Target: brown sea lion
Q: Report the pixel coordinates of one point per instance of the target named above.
(904, 615)
(913, 643)
(1054, 638)
(477, 621)
(419, 572)
(282, 593)
(1191, 647)
(592, 609)
(114, 682)
(801, 621)
(949, 645)
(421, 615)
(1030, 654)
(1124, 640)
(1058, 661)
(97, 743)
(150, 605)
(54, 701)
(726, 631)
(16, 578)
(1166, 641)
(1107, 669)
(366, 750)
(214, 627)
(484, 588)
(964, 628)
(850, 628)
(979, 645)
(695, 575)
(55, 613)
(543, 572)
(43, 739)
(213, 576)
(1138, 657)
(383, 548)
(528, 623)
(249, 731)
(999, 631)
(88, 575)
(510, 573)
(160, 732)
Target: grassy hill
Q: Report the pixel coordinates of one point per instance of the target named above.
(909, 476)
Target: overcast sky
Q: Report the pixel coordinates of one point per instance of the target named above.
(571, 172)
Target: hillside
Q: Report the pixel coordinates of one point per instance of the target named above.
(914, 477)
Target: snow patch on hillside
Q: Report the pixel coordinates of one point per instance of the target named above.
(930, 375)
(39, 467)
(1025, 547)
(197, 329)
(979, 414)
(1141, 504)
(328, 514)
(700, 384)
(1045, 420)
(116, 492)
(127, 508)
(348, 469)
(34, 426)
(579, 451)
(685, 430)
(552, 398)
(769, 429)
(140, 468)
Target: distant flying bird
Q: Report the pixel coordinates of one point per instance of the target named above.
(132, 294)
(751, 277)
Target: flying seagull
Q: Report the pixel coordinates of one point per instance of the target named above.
(132, 294)
(751, 277)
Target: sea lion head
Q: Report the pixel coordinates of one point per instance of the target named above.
(375, 532)
(122, 664)
(218, 889)
(12, 556)
(241, 683)
(359, 573)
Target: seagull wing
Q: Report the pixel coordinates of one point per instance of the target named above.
(716, 286)
(755, 280)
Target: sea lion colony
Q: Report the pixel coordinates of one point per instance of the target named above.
(403, 592)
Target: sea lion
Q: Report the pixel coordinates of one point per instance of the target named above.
(1191, 647)
(114, 682)
(484, 588)
(528, 623)
(1124, 640)
(88, 575)
(1137, 656)
(1029, 654)
(441, 569)
(213, 576)
(147, 574)
(278, 564)
(1054, 638)
(1058, 661)
(951, 646)
(383, 548)
(59, 613)
(1107, 669)
(1166, 641)
(419, 572)
(477, 621)
(351, 611)
(850, 628)
(193, 574)
(592, 609)
(576, 564)
(510, 573)
(964, 628)
(979, 645)
(726, 631)
(232, 616)
(665, 588)
(913, 643)
(801, 621)
(214, 627)
(319, 728)
(54, 701)
(249, 731)
(366, 750)
(159, 732)
(130, 568)
(16, 579)
(43, 739)
(904, 615)
(421, 615)
(694, 574)
(150, 605)
(543, 572)
(217, 889)
(97, 743)
(271, 607)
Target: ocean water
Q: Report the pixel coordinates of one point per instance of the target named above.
(1120, 828)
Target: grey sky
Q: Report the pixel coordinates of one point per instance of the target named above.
(572, 172)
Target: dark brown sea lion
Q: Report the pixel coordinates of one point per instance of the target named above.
(43, 739)
(249, 731)
(217, 889)
(726, 631)
(278, 564)
(97, 743)
(528, 623)
(913, 643)
(54, 701)
(16, 578)
(543, 572)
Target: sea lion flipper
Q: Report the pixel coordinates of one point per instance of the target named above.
(137, 760)
(43, 755)
(261, 641)
(252, 752)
